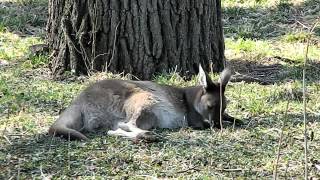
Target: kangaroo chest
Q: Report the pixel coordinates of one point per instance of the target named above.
(168, 115)
(169, 111)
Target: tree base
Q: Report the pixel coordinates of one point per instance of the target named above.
(138, 37)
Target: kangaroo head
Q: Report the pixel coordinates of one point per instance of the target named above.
(208, 101)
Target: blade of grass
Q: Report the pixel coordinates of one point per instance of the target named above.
(275, 172)
(304, 103)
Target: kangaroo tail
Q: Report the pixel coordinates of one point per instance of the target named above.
(67, 133)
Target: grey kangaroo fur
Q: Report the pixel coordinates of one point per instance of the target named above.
(132, 108)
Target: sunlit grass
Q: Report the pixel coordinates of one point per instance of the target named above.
(30, 100)
(13, 46)
(257, 49)
(249, 3)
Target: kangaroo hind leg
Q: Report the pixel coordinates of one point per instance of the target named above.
(130, 131)
(69, 125)
(67, 133)
(122, 133)
(137, 128)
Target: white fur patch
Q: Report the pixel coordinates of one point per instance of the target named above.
(168, 116)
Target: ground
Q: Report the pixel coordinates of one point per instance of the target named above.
(265, 43)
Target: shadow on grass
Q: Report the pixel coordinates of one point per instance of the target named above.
(201, 151)
(265, 23)
(273, 70)
(276, 121)
(104, 156)
(24, 17)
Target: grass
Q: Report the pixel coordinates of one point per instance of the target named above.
(259, 35)
(256, 49)
(23, 16)
(13, 47)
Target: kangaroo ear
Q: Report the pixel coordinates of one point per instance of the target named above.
(202, 77)
(225, 76)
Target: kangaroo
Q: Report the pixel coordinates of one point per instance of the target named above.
(132, 108)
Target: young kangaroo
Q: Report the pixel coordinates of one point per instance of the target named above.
(131, 108)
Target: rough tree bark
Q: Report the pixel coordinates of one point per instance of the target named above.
(140, 37)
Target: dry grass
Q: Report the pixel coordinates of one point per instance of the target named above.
(262, 42)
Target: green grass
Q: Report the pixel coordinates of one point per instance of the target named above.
(13, 47)
(23, 16)
(249, 150)
(270, 20)
(259, 34)
(257, 49)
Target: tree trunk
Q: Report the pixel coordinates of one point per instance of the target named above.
(140, 37)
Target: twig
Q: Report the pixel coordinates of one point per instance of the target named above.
(69, 151)
(42, 175)
(51, 139)
(70, 43)
(131, 75)
(93, 50)
(286, 170)
(221, 126)
(304, 104)
(7, 139)
(230, 170)
(8, 117)
(242, 77)
(18, 176)
(102, 54)
(234, 121)
(251, 119)
(304, 116)
(84, 54)
(114, 46)
(287, 165)
(302, 24)
(174, 73)
(147, 176)
(315, 25)
(15, 134)
(189, 169)
(286, 60)
(68, 37)
(275, 171)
